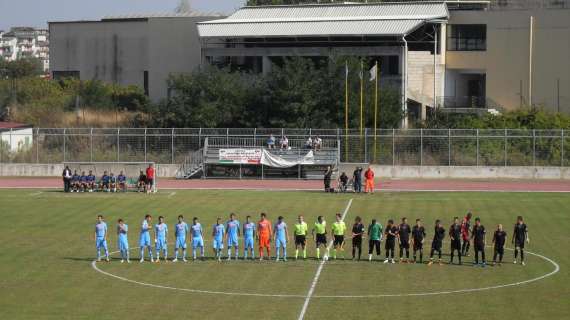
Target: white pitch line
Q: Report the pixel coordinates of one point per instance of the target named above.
(318, 274)
(36, 193)
(418, 294)
(172, 194)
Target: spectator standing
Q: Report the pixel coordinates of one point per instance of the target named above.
(271, 141)
(327, 179)
(369, 175)
(66, 179)
(150, 178)
(357, 179)
(342, 182)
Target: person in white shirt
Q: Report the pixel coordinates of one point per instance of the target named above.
(284, 143)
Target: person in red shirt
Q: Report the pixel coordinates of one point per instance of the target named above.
(465, 230)
(149, 178)
(369, 176)
(264, 235)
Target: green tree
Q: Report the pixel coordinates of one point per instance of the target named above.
(21, 68)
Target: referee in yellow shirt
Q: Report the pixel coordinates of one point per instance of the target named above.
(320, 234)
(300, 232)
(338, 229)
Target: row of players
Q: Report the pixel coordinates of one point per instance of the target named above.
(109, 182)
(263, 231)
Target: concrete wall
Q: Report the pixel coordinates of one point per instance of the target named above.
(420, 76)
(121, 51)
(506, 60)
(114, 52)
(55, 170)
(399, 172)
(435, 172)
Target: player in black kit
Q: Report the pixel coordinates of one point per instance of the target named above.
(418, 236)
(404, 237)
(437, 242)
(455, 237)
(520, 235)
(499, 238)
(391, 233)
(357, 232)
(478, 236)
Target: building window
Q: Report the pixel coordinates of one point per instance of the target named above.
(145, 83)
(467, 37)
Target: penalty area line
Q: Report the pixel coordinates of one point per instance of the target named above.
(319, 270)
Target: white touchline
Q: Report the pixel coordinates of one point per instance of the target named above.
(318, 274)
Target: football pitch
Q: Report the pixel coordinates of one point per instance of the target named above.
(47, 253)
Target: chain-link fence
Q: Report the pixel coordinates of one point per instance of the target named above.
(415, 147)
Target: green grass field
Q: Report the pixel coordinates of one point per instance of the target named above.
(47, 251)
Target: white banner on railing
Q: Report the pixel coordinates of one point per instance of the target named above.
(274, 161)
(244, 156)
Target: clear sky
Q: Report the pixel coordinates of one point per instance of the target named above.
(36, 13)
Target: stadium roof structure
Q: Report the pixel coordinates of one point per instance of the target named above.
(187, 14)
(343, 19)
(6, 125)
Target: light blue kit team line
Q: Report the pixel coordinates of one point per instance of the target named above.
(230, 230)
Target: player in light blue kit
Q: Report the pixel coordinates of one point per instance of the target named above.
(144, 240)
(180, 232)
(232, 235)
(197, 238)
(160, 234)
(248, 238)
(280, 235)
(101, 238)
(218, 232)
(123, 241)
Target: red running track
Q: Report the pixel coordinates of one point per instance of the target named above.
(383, 185)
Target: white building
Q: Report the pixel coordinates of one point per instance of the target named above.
(25, 42)
(15, 137)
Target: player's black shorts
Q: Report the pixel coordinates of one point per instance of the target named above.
(357, 242)
(519, 244)
(418, 245)
(405, 244)
(456, 245)
(150, 181)
(338, 240)
(374, 244)
(500, 250)
(321, 239)
(300, 240)
(479, 246)
(105, 184)
(436, 245)
(390, 244)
